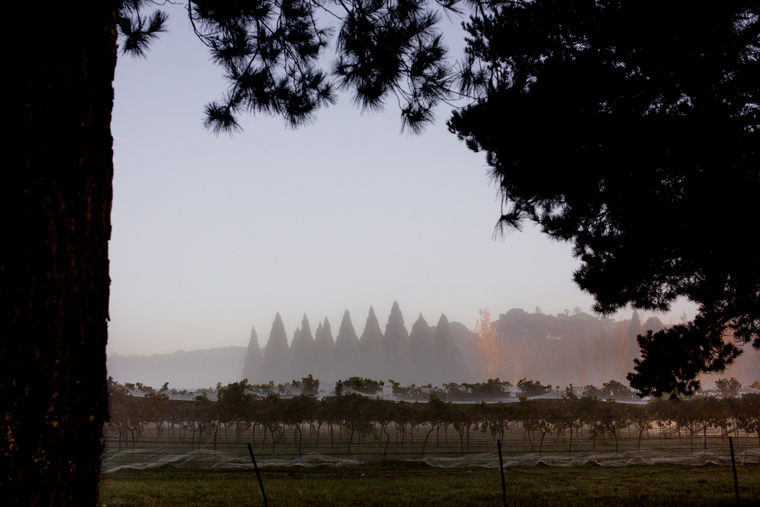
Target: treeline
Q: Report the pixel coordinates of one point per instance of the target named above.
(428, 354)
(239, 409)
(575, 347)
(570, 347)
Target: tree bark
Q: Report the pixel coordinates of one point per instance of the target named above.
(56, 193)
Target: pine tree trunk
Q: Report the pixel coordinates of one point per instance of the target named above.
(56, 193)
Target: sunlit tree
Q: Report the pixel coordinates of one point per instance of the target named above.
(486, 351)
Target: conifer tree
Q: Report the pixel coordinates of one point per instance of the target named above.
(296, 338)
(371, 348)
(648, 101)
(253, 363)
(450, 366)
(347, 353)
(463, 338)
(324, 354)
(276, 363)
(398, 359)
(422, 349)
(302, 351)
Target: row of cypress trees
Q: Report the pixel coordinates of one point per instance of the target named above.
(426, 355)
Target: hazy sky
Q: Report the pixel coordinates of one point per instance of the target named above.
(212, 235)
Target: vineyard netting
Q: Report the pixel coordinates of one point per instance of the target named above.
(439, 447)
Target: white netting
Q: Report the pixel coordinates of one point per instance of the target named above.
(140, 459)
(631, 458)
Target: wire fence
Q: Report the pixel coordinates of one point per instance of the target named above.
(226, 448)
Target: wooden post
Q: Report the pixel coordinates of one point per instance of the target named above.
(733, 465)
(501, 469)
(258, 475)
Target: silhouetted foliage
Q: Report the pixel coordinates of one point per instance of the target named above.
(728, 387)
(137, 31)
(629, 128)
(360, 385)
(671, 359)
(270, 52)
(530, 388)
(308, 385)
(612, 390)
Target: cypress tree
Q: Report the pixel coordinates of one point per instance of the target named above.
(450, 365)
(398, 360)
(324, 354)
(371, 348)
(276, 365)
(302, 351)
(347, 355)
(252, 364)
(422, 351)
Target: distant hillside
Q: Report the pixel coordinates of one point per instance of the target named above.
(183, 370)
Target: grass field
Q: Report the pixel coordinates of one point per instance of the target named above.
(400, 483)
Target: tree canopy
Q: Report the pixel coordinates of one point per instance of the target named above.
(272, 53)
(630, 129)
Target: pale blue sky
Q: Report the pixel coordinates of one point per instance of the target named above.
(214, 234)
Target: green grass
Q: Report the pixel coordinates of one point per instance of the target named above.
(413, 484)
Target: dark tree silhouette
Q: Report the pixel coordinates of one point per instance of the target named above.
(634, 330)
(57, 189)
(629, 128)
(270, 54)
(672, 359)
(252, 365)
(54, 285)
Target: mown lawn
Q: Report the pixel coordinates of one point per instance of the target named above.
(399, 483)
